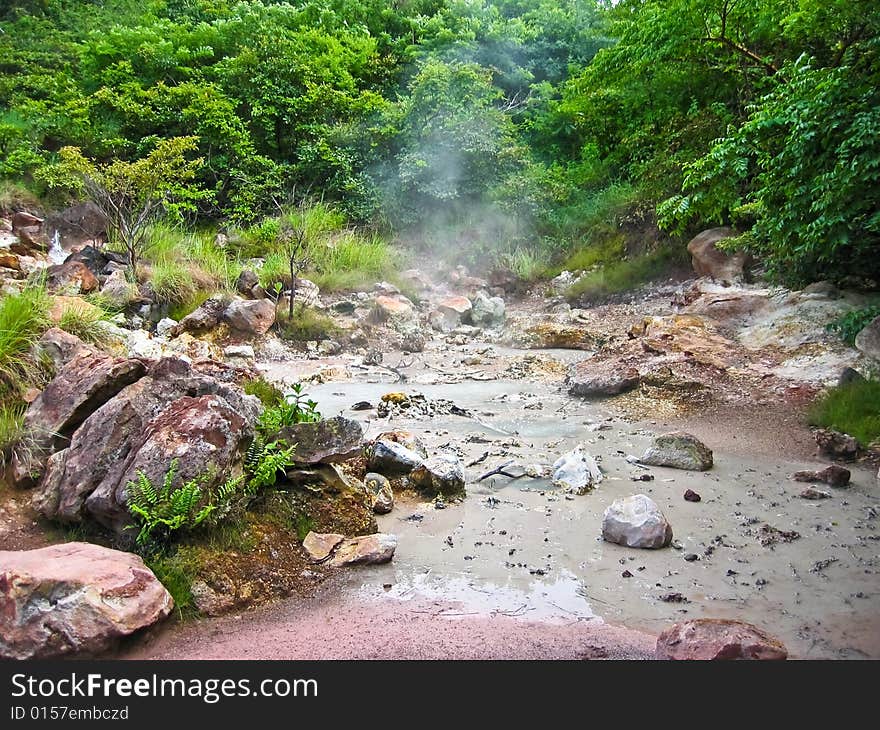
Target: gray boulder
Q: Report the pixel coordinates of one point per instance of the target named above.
(251, 317)
(442, 474)
(637, 522)
(324, 442)
(709, 260)
(487, 311)
(868, 340)
(576, 472)
(678, 450)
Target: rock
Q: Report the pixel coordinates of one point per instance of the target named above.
(813, 493)
(251, 317)
(709, 260)
(442, 474)
(60, 346)
(118, 291)
(587, 380)
(95, 259)
(821, 290)
(211, 602)
(9, 260)
(245, 352)
(366, 550)
(868, 340)
(636, 521)
(834, 475)
(71, 277)
(413, 341)
(205, 435)
(320, 545)
(712, 638)
(836, 445)
(105, 448)
(450, 313)
(79, 223)
(577, 472)
(381, 493)
(74, 598)
(487, 311)
(848, 376)
(395, 453)
(691, 496)
(330, 441)
(203, 318)
(81, 387)
(22, 219)
(680, 451)
(248, 285)
(557, 335)
(686, 336)
(165, 327)
(397, 312)
(346, 306)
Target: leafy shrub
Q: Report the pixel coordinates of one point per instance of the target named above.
(853, 408)
(295, 408)
(161, 511)
(851, 323)
(177, 579)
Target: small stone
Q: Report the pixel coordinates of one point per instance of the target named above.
(636, 521)
(691, 496)
(691, 557)
(834, 475)
(717, 639)
(680, 451)
(813, 493)
(319, 545)
(365, 550)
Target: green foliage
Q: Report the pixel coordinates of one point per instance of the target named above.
(296, 407)
(167, 508)
(308, 324)
(14, 437)
(89, 323)
(264, 461)
(23, 319)
(626, 274)
(853, 408)
(304, 524)
(177, 577)
(850, 324)
(267, 392)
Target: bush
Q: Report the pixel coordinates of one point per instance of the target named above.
(850, 324)
(853, 408)
(296, 407)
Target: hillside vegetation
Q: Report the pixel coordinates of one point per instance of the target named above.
(517, 131)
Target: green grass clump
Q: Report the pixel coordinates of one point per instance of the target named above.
(853, 408)
(307, 324)
(89, 323)
(527, 264)
(608, 251)
(177, 576)
(625, 275)
(13, 434)
(23, 319)
(268, 394)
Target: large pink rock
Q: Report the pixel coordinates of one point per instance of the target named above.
(74, 598)
(72, 276)
(709, 260)
(715, 638)
(250, 316)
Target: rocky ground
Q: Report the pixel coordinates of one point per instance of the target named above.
(516, 430)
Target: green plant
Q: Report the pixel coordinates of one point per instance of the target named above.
(304, 524)
(23, 318)
(626, 274)
(850, 324)
(296, 407)
(267, 392)
(853, 408)
(161, 511)
(89, 323)
(307, 324)
(177, 579)
(264, 461)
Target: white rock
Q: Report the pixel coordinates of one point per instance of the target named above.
(576, 471)
(164, 326)
(636, 521)
(245, 351)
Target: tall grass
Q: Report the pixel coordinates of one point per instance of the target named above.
(89, 322)
(853, 408)
(23, 319)
(626, 274)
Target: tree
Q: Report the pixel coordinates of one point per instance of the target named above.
(133, 195)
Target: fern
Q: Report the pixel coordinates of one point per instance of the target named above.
(265, 464)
